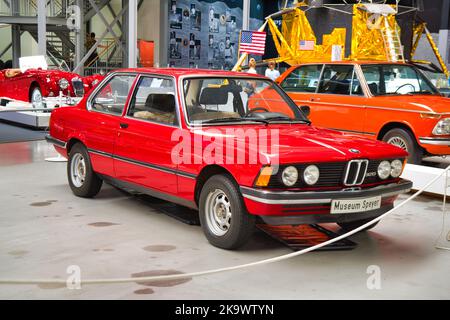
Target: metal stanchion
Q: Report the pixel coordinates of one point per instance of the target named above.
(443, 241)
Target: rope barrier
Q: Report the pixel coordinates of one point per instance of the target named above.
(232, 268)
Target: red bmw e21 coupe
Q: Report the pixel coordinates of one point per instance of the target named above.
(232, 145)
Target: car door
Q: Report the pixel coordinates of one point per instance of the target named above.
(101, 125)
(144, 141)
(302, 82)
(340, 100)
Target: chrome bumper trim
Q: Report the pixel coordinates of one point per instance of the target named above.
(435, 141)
(323, 197)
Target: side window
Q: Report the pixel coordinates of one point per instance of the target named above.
(336, 79)
(154, 101)
(113, 96)
(373, 78)
(303, 79)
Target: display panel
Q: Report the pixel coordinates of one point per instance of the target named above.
(204, 34)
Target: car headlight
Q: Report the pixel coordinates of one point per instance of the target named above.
(442, 127)
(396, 168)
(63, 83)
(289, 176)
(384, 170)
(311, 175)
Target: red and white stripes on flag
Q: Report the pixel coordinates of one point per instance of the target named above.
(307, 45)
(252, 42)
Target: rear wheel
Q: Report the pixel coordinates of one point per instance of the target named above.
(223, 216)
(83, 181)
(404, 139)
(349, 226)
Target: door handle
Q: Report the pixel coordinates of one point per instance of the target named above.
(314, 99)
(124, 125)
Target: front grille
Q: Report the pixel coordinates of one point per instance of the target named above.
(78, 87)
(355, 172)
(335, 174)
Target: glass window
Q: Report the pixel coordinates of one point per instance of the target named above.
(396, 79)
(303, 79)
(237, 100)
(337, 79)
(113, 96)
(154, 100)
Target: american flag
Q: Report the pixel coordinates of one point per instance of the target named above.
(252, 42)
(306, 45)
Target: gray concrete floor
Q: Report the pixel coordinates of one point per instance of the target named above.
(44, 228)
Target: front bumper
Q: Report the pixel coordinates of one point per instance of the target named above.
(435, 141)
(289, 207)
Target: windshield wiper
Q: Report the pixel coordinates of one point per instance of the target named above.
(281, 118)
(221, 120)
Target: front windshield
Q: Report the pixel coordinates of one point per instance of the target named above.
(57, 64)
(237, 100)
(396, 79)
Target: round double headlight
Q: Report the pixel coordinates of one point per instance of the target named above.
(289, 176)
(63, 83)
(396, 168)
(311, 175)
(384, 170)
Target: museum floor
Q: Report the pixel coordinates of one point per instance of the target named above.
(44, 229)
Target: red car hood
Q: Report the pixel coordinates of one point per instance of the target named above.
(425, 103)
(301, 143)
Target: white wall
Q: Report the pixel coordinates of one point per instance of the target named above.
(149, 26)
(29, 46)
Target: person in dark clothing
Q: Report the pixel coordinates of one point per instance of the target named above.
(90, 42)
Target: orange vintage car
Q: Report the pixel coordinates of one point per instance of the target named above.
(393, 102)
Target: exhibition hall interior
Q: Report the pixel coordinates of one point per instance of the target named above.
(224, 150)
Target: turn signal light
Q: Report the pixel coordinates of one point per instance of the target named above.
(264, 177)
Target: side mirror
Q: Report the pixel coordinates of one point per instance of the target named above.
(306, 110)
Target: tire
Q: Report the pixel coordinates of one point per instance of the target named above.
(228, 233)
(85, 185)
(35, 93)
(348, 226)
(404, 139)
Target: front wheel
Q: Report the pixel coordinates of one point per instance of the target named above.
(223, 216)
(404, 139)
(349, 226)
(83, 181)
(36, 97)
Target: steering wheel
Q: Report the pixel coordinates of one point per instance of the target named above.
(406, 84)
(250, 111)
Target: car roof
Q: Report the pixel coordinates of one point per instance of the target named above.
(179, 72)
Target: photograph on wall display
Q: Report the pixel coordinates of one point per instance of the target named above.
(196, 18)
(229, 53)
(194, 48)
(174, 46)
(175, 16)
(231, 25)
(213, 21)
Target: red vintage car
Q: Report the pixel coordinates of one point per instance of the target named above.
(35, 84)
(209, 140)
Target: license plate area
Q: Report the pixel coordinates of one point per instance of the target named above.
(341, 206)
